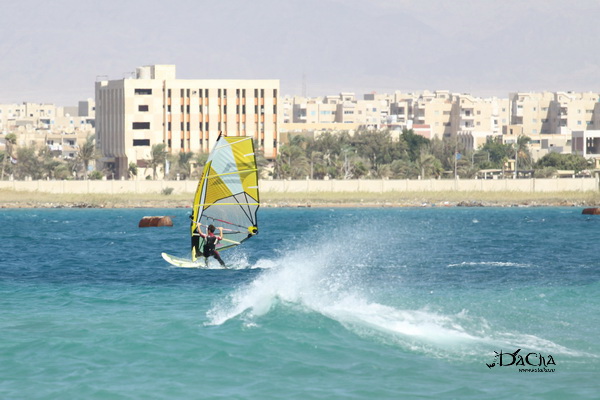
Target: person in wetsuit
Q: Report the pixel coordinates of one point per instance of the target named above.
(210, 242)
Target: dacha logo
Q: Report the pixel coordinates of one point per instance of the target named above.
(532, 359)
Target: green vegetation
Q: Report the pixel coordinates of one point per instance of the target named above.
(366, 154)
(158, 157)
(378, 154)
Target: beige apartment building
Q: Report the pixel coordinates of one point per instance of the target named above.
(573, 111)
(61, 129)
(34, 116)
(474, 119)
(548, 118)
(587, 144)
(187, 115)
(335, 112)
(556, 113)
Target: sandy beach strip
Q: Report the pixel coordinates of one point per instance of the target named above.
(18, 199)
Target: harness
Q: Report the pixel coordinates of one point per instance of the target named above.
(209, 245)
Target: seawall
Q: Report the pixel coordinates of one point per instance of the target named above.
(315, 186)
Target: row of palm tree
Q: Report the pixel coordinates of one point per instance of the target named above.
(23, 162)
(365, 154)
(380, 154)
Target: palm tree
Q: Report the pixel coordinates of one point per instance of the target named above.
(29, 164)
(201, 159)
(86, 153)
(132, 170)
(184, 165)
(522, 154)
(10, 140)
(158, 156)
(48, 163)
(315, 157)
(291, 162)
(428, 164)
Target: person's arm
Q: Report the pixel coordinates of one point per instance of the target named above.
(199, 229)
(220, 237)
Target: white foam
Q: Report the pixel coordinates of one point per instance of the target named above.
(490, 263)
(327, 280)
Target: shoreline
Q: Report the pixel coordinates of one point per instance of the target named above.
(13, 200)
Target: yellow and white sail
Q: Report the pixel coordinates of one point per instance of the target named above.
(227, 194)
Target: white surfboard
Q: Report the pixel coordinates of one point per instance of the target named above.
(187, 263)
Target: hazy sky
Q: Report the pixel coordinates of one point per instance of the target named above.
(53, 51)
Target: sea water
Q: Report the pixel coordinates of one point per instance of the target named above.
(324, 303)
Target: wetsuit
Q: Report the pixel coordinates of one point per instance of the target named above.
(210, 241)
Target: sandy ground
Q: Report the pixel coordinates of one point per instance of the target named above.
(14, 199)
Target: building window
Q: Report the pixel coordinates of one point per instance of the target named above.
(141, 125)
(141, 142)
(143, 108)
(143, 91)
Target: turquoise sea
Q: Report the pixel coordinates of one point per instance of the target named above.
(340, 303)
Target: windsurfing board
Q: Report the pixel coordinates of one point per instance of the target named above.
(187, 263)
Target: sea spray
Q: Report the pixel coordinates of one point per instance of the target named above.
(323, 276)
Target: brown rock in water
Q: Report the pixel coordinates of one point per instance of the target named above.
(591, 211)
(155, 221)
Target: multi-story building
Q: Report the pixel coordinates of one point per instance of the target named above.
(187, 115)
(587, 144)
(401, 108)
(533, 112)
(572, 112)
(474, 119)
(61, 129)
(434, 109)
(557, 113)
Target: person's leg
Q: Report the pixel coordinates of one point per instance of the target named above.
(218, 257)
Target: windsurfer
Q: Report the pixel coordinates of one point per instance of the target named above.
(210, 242)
